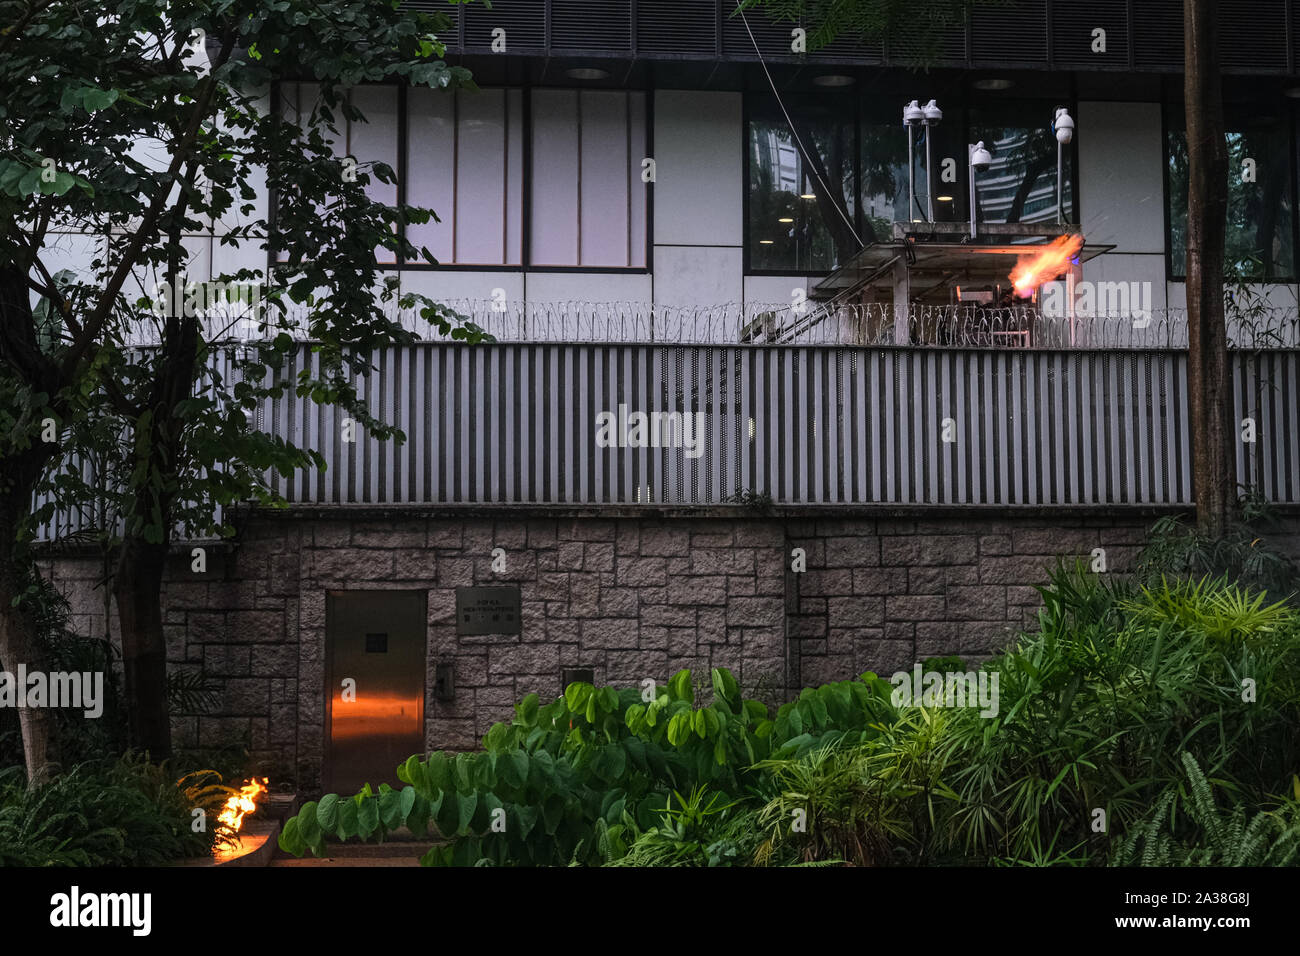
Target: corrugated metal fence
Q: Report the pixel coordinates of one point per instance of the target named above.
(561, 424)
(627, 424)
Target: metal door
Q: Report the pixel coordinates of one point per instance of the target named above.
(374, 690)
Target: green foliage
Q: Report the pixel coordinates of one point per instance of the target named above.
(124, 812)
(1110, 704)
(1187, 828)
(1242, 554)
(568, 780)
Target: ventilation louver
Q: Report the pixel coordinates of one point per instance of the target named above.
(1074, 27)
(1010, 34)
(591, 26)
(523, 20)
(677, 28)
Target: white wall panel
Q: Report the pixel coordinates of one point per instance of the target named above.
(699, 168)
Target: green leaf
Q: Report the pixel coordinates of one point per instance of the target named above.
(513, 768)
(348, 825)
(616, 762)
(437, 771)
(524, 818)
(447, 815)
(725, 686)
(575, 696)
(390, 809)
(327, 813)
(290, 839)
(368, 817)
(308, 823)
(466, 805)
(679, 687)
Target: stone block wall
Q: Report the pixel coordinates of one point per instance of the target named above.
(630, 597)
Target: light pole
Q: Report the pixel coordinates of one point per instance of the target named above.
(932, 116)
(913, 115)
(979, 159)
(1063, 126)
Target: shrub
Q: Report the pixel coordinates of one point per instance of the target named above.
(1104, 710)
(593, 770)
(123, 812)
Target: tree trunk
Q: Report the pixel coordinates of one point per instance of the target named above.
(18, 642)
(1214, 482)
(22, 461)
(138, 590)
(142, 562)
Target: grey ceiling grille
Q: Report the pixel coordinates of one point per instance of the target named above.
(523, 20)
(948, 48)
(852, 48)
(1072, 26)
(452, 37)
(601, 26)
(1255, 36)
(677, 28)
(1252, 35)
(1014, 33)
(1158, 35)
(773, 36)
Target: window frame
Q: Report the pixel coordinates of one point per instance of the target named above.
(1286, 113)
(526, 218)
(959, 113)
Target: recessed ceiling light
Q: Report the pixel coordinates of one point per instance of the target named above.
(807, 195)
(785, 219)
(943, 198)
(833, 79)
(765, 242)
(993, 84)
(586, 73)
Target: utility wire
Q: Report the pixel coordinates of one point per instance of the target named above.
(793, 132)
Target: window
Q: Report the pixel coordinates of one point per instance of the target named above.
(1020, 183)
(1260, 241)
(464, 160)
(466, 157)
(801, 211)
(806, 216)
(588, 200)
(374, 141)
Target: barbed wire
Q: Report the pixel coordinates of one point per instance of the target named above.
(750, 323)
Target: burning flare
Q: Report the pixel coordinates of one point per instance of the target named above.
(1031, 271)
(243, 803)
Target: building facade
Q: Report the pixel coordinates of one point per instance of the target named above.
(850, 457)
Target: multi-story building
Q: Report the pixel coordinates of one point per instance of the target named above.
(859, 449)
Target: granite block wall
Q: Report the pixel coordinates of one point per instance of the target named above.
(628, 597)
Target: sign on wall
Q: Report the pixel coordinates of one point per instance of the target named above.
(487, 610)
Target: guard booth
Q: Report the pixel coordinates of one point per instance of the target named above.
(936, 285)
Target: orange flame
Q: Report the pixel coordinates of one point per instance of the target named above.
(243, 803)
(1031, 271)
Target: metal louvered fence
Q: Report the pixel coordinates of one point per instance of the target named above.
(669, 424)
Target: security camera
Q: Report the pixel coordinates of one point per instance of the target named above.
(1063, 125)
(980, 158)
